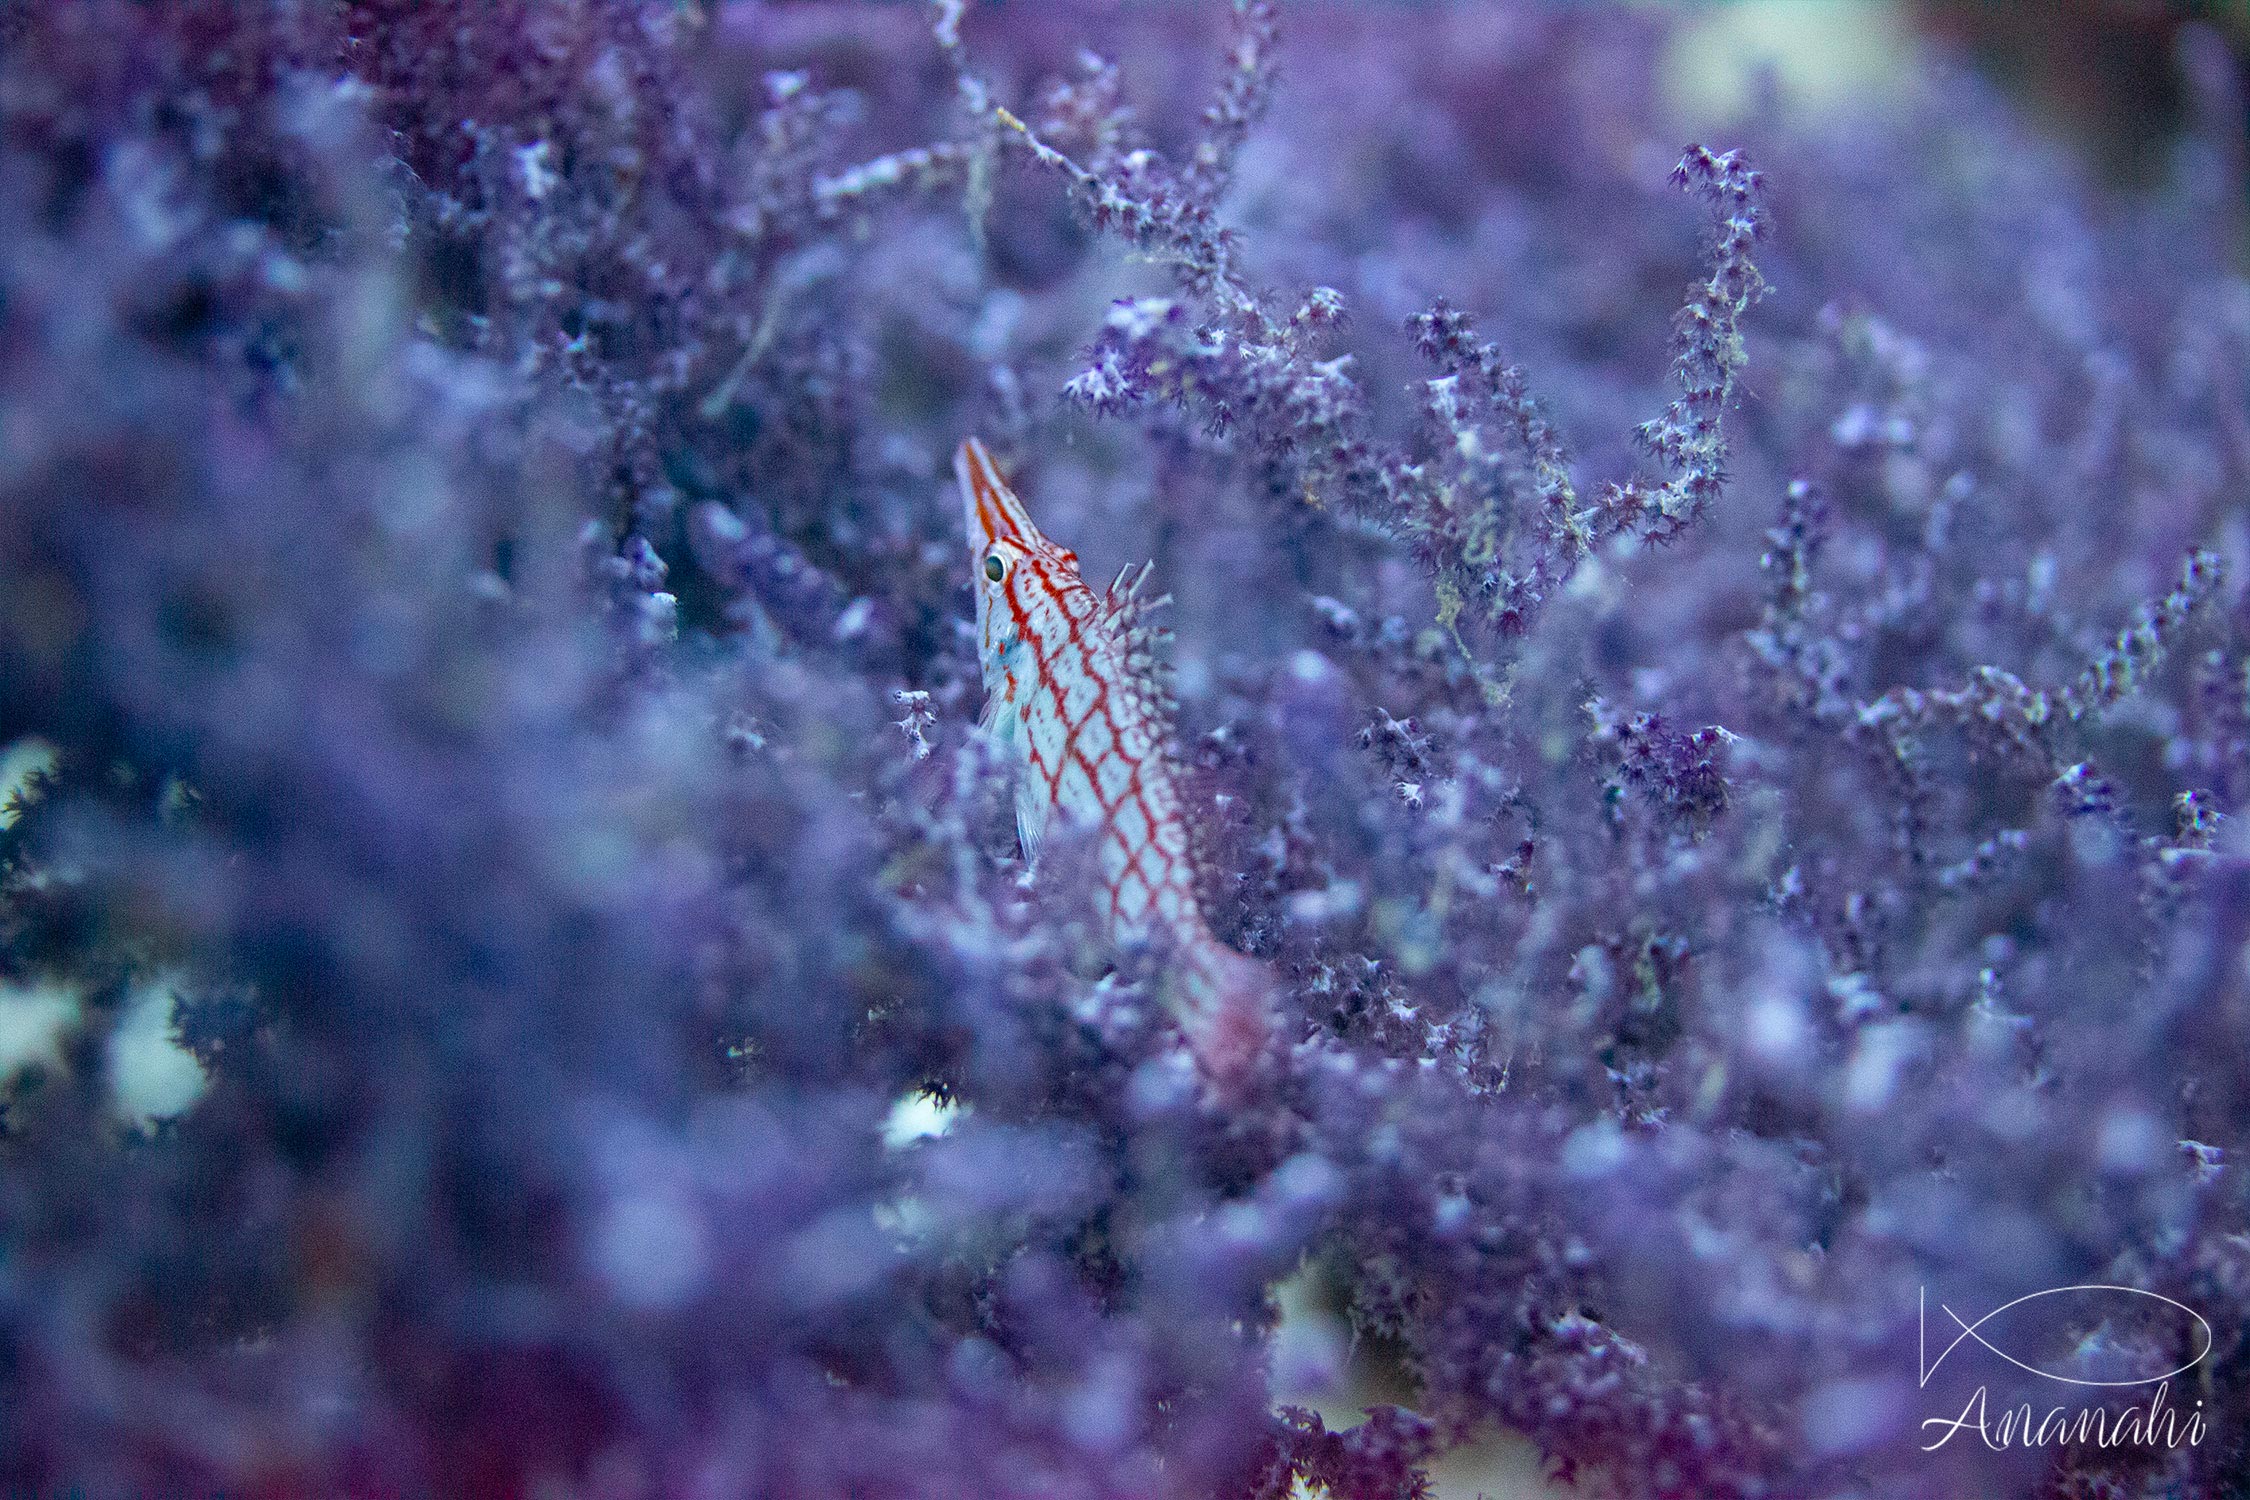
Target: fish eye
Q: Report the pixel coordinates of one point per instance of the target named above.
(994, 568)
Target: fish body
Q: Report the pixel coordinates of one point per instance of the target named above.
(1073, 699)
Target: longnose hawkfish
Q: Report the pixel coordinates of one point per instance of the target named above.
(1073, 701)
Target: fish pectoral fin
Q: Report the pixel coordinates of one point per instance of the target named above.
(1031, 820)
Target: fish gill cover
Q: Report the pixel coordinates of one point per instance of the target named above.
(1714, 680)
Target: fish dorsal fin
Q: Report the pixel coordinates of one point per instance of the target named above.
(1142, 640)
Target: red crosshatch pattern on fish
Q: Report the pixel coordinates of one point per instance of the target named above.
(1071, 696)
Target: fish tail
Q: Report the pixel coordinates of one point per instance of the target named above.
(1224, 1003)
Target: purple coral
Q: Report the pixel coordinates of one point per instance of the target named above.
(513, 972)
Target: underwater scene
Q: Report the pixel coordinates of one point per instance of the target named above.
(1209, 750)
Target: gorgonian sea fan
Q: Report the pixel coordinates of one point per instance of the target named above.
(1728, 727)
